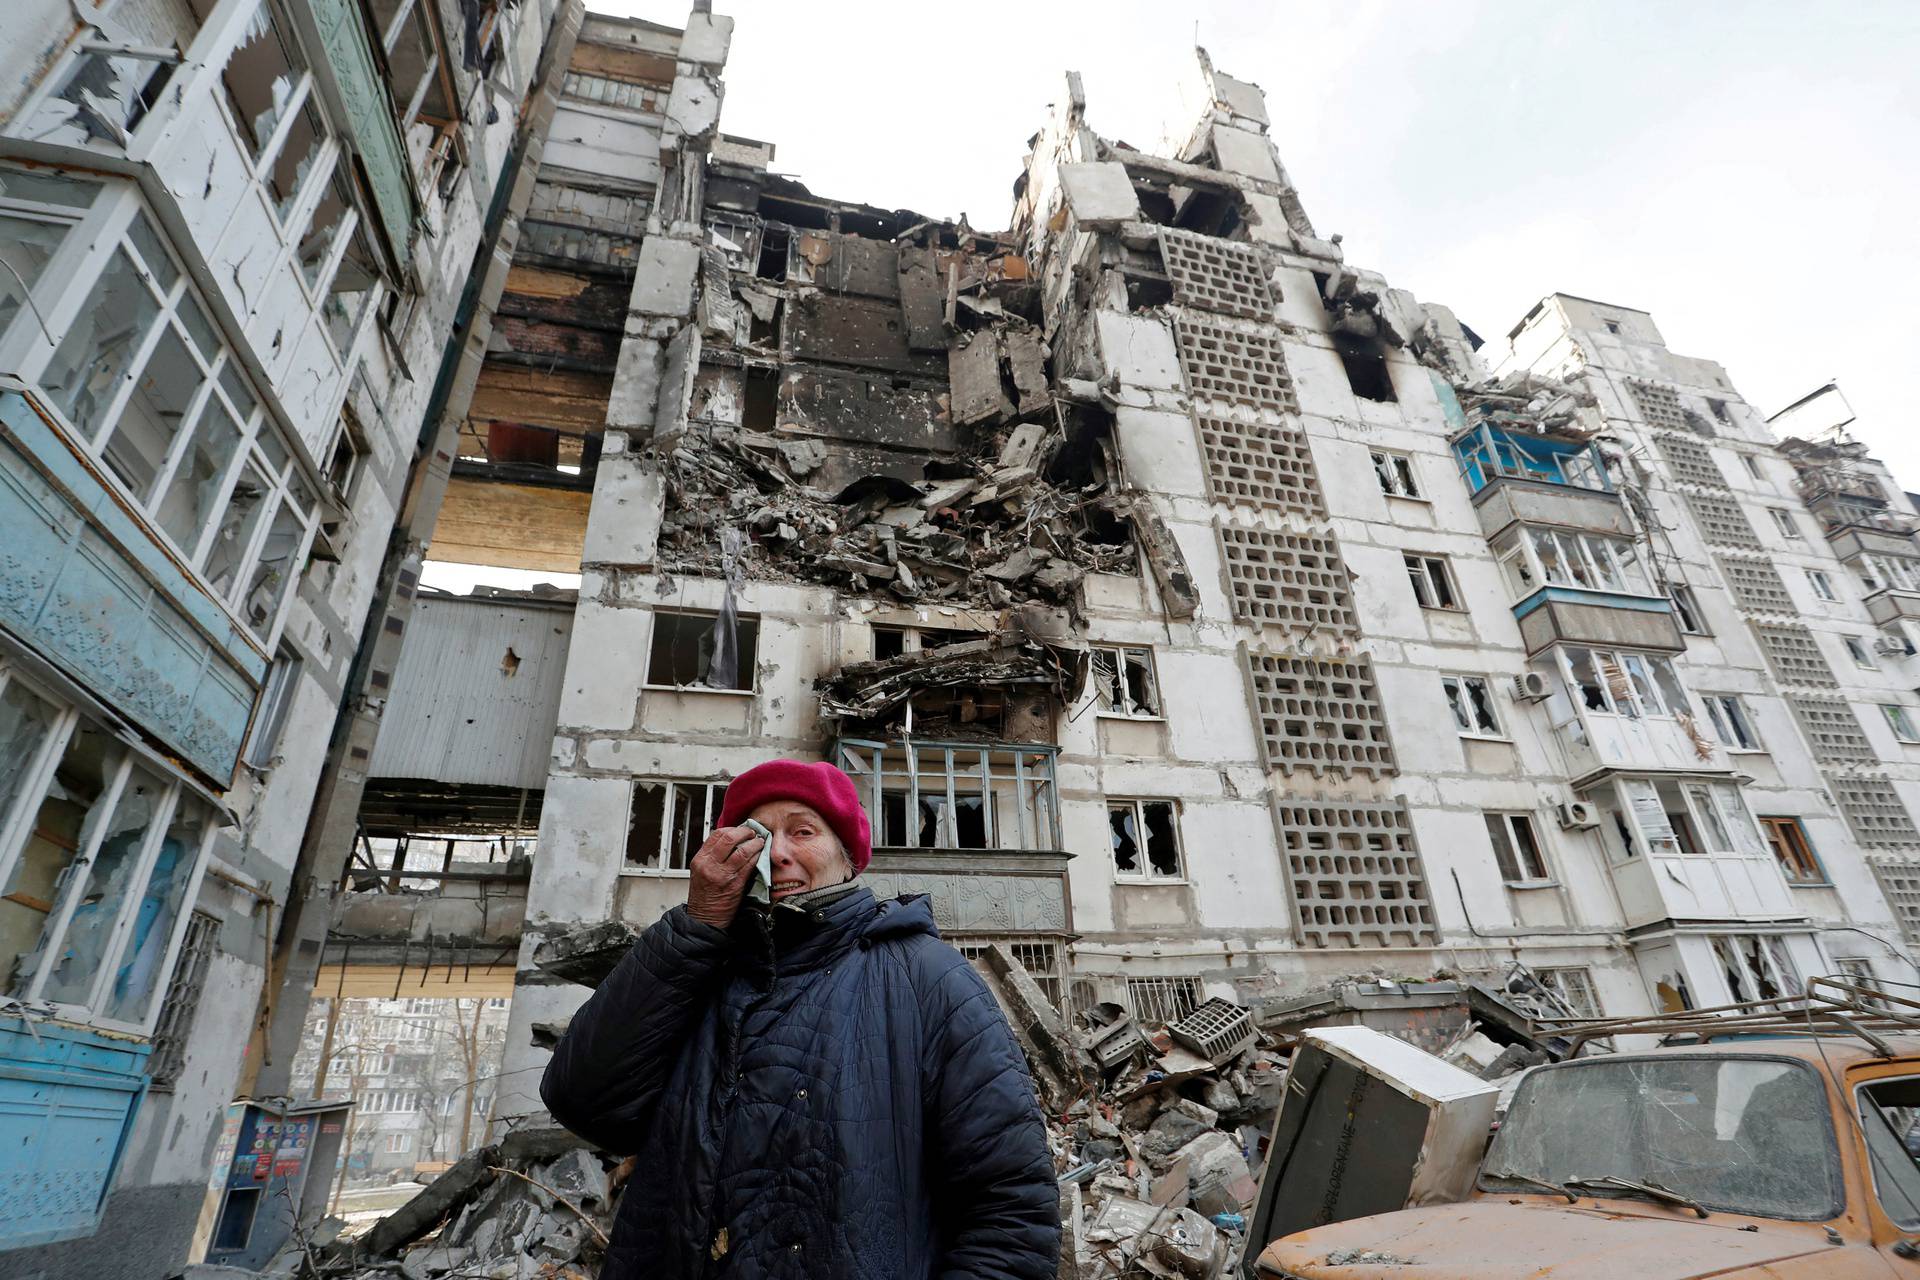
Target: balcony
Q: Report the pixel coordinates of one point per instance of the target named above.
(1617, 711)
(1540, 478)
(975, 825)
(1581, 587)
(1687, 849)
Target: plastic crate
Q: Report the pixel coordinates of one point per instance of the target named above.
(1217, 1030)
(1115, 1043)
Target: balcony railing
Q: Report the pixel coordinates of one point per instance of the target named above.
(956, 795)
(1489, 453)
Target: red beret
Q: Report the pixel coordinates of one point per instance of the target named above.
(821, 787)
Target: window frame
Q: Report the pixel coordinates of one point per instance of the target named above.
(1686, 610)
(1900, 720)
(1857, 650)
(1119, 654)
(1637, 706)
(1785, 525)
(1146, 874)
(1785, 836)
(1462, 702)
(1397, 475)
(664, 854)
(1607, 564)
(17, 824)
(750, 665)
(1528, 855)
(1822, 587)
(1431, 576)
(1732, 722)
(1552, 976)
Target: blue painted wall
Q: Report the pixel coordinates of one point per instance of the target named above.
(86, 587)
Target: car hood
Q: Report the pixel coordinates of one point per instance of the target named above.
(1521, 1239)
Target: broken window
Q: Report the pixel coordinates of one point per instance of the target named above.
(90, 366)
(98, 856)
(351, 289)
(953, 795)
(1395, 473)
(1624, 684)
(1787, 838)
(37, 209)
(266, 81)
(1731, 724)
(1146, 840)
(106, 91)
(1124, 683)
(1573, 987)
(1366, 365)
(669, 820)
(1516, 847)
(1471, 700)
(270, 713)
(1432, 581)
(1687, 611)
(698, 650)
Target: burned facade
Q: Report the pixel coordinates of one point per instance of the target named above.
(1198, 613)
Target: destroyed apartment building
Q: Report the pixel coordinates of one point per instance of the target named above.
(1205, 621)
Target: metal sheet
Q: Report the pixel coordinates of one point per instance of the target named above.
(460, 709)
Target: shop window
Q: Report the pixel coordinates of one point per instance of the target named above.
(1124, 683)
(1470, 698)
(701, 650)
(1787, 838)
(1146, 840)
(669, 821)
(1516, 847)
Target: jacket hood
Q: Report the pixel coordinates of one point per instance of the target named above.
(902, 918)
(1519, 1239)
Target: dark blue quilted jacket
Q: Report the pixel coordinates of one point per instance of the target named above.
(832, 1093)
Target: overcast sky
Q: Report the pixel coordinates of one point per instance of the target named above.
(1745, 171)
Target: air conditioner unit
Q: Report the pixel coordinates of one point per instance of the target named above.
(1578, 815)
(1531, 686)
(1893, 647)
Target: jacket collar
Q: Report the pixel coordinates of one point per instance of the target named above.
(810, 930)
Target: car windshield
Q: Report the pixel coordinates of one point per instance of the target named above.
(1745, 1135)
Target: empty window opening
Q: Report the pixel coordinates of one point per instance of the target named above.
(669, 821)
(760, 406)
(1432, 582)
(1366, 366)
(1516, 847)
(1395, 473)
(1471, 700)
(1792, 850)
(773, 252)
(1124, 682)
(1146, 841)
(700, 650)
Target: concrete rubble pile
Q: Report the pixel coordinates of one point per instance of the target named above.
(539, 1203)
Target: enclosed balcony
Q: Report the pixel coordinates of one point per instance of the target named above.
(974, 824)
(1616, 710)
(1587, 588)
(1520, 476)
(1687, 849)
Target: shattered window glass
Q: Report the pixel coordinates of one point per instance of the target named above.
(669, 821)
(682, 650)
(92, 361)
(26, 719)
(352, 288)
(62, 828)
(252, 497)
(261, 79)
(193, 494)
(279, 561)
(104, 889)
(1739, 1135)
(1123, 682)
(1125, 831)
(25, 246)
(102, 99)
(1890, 1119)
(144, 432)
(1144, 839)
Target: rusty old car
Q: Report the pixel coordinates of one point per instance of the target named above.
(1772, 1154)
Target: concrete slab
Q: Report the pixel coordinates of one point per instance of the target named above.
(1099, 193)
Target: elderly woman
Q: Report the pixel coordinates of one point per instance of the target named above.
(818, 1087)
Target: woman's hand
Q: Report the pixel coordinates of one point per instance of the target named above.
(719, 875)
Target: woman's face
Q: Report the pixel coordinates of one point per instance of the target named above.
(806, 853)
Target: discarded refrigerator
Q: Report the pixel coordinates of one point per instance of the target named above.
(1368, 1124)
